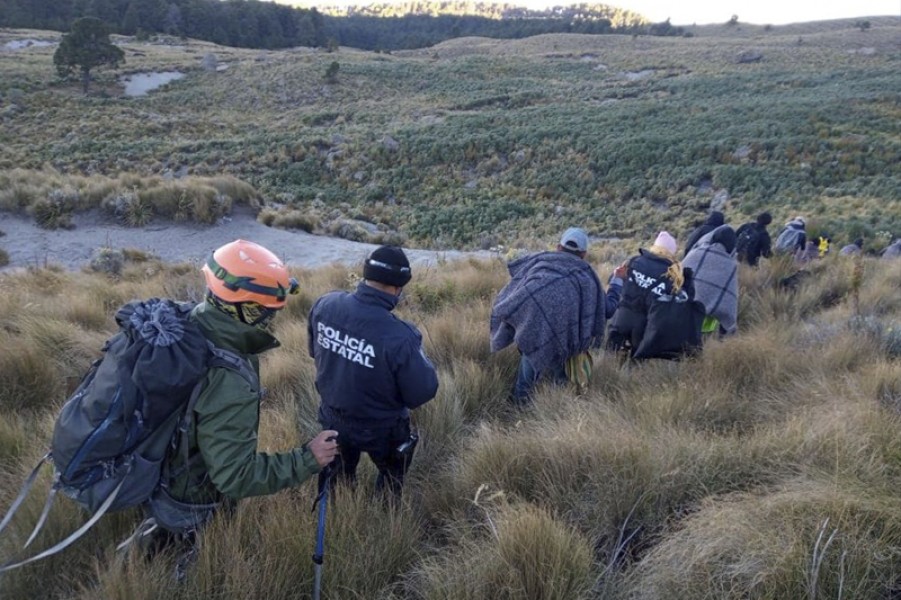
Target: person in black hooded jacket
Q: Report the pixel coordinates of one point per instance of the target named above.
(753, 240)
(654, 272)
(715, 220)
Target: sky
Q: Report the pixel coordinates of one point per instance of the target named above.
(686, 12)
(760, 12)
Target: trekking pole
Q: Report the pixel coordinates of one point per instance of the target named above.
(322, 500)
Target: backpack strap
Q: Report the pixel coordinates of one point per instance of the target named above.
(51, 496)
(231, 360)
(145, 528)
(29, 482)
(73, 537)
(220, 358)
(181, 435)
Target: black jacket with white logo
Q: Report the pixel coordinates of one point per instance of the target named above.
(370, 366)
(647, 280)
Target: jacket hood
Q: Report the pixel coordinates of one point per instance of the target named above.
(652, 256)
(230, 333)
(716, 218)
(723, 235)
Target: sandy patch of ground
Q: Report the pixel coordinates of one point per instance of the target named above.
(30, 246)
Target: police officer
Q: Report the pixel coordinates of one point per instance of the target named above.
(371, 369)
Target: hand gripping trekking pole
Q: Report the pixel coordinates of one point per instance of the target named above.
(322, 499)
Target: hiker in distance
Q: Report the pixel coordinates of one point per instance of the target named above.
(809, 253)
(554, 308)
(655, 271)
(824, 245)
(371, 370)
(715, 278)
(855, 248)
(716, 219)
(893, 251)
(753, 240)
(792, 240)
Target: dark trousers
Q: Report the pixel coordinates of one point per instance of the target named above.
(380, 443)
(626, 331)
(527, 378)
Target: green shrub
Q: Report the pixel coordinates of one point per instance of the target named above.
(55, 211)
(129, 208)
(108, 260)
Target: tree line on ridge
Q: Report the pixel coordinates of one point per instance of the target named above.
(257, 24)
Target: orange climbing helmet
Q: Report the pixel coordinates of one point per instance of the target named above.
(243, 271)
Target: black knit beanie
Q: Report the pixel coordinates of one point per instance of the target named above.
(388, 265)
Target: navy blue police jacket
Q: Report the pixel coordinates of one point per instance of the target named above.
(370, 366)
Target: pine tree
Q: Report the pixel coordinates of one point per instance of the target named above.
(87, 46)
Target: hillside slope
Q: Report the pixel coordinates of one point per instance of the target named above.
(478, 141)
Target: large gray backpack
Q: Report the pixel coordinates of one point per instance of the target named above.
(114, 432)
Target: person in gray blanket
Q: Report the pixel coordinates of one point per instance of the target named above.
(855, 248)
(553, 308)
(715, 268)
(893, 251)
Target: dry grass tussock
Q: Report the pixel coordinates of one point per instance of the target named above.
(52, 197)
(767, 467)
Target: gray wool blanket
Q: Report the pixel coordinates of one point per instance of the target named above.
(553, 307)
(715, 280)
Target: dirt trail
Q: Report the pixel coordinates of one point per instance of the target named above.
(29, 245)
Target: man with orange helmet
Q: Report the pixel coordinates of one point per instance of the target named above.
(371, 369)
(246, 287)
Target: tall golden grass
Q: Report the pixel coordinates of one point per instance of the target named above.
(767, 467)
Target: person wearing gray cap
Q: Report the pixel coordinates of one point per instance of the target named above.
(554, 308)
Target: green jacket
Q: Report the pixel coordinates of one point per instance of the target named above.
(222, 440)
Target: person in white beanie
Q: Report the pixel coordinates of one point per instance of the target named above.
(655, 271)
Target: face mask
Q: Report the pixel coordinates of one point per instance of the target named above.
(250, 313)
(256, 315)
